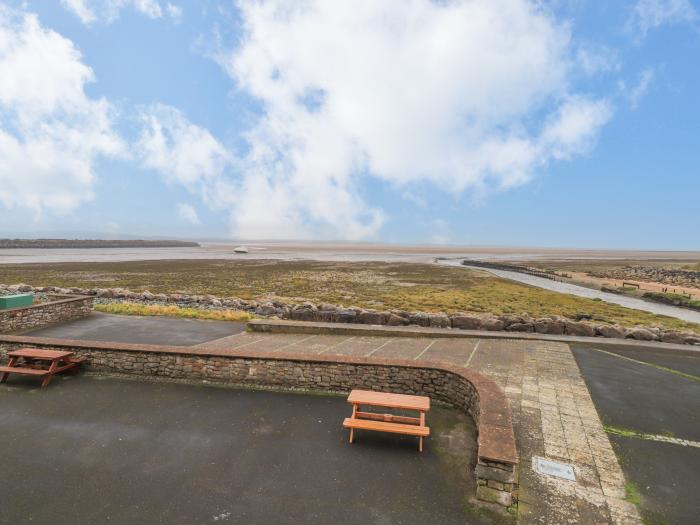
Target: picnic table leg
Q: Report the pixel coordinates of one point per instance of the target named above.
(352, 430)
(422, 423)
(49, 376)
(3, 376)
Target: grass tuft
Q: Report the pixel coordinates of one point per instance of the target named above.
(173, 311)
(632, 494)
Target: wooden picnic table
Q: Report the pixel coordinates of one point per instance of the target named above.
(397, 424)
(40, 363)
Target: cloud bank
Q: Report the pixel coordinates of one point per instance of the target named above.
(460, 95)
(51, 132)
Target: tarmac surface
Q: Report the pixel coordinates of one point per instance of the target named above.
(105, 450)
(170, 331)
(638, 396)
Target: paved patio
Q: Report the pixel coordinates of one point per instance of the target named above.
(554, 416)
(97, 450)
(171, 331)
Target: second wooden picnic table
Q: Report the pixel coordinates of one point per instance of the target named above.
(397, 424)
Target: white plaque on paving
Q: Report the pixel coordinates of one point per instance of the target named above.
(553, 468)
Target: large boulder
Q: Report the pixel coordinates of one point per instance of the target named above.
(420, 318)
(466, 322)
(302, 314)
(579, 328)
(266, 310)
(610, 330)
(509, 319)
(640, 334)
(439, 321)
(396, 320)
(549, 325)
(672, 336)
(345, 315)
(492, 324)
(520, 327)
(372, 317)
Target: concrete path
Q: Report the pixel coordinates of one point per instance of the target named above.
(171, 331)
(95, 451)
(554, 415)
(652, 401)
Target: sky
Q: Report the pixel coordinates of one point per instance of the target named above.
(477, 122)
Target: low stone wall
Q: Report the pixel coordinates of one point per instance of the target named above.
(57, 309)
(471, 392)
(550, 325)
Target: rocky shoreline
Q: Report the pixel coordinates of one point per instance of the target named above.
(307, 311)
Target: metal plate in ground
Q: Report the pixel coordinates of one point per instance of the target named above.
(553, 468)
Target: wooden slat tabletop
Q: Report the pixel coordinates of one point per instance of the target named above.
(38, 353)
(385, 399)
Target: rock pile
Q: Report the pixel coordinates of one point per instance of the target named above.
(307, 311)
(677, 277)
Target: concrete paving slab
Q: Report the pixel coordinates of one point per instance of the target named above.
(358, 346)
(403, 348)
(453, 351)
(95, 450)
(320, 344)
(173, 331)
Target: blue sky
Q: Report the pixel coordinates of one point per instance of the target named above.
(499, 122)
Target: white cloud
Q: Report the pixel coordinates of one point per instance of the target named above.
(187, 213)
(51, 132)
(573, 129)
(638, 92)
(173, 11)
(649, 14)
(595, 59)
(89, 11)
(403, 91)
(182, 152)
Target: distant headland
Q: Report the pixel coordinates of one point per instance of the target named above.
(94, 243)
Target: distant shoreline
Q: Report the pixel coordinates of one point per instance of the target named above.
(92, 243)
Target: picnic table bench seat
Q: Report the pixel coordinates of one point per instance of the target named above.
(33, 362)
(383, 426)
(396, 424)
(24, 371)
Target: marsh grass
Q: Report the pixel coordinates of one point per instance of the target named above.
(127, 308)
(402, 286)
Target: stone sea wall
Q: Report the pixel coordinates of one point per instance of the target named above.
(53, 309)
(463, 389)
(553, 325)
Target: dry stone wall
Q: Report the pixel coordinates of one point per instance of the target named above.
(55, 309)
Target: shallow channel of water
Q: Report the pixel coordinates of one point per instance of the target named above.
(684, 314)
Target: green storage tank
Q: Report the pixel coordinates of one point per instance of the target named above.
(16, 301)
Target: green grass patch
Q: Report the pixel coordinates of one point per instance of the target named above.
(384, 286)
(674, 299)
(632, 494)
(619, 431)
(173, 311)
